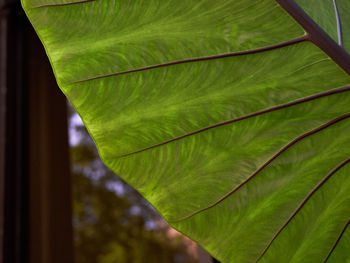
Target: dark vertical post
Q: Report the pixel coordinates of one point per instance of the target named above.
(51, 234)
(35, 188)
(13, 132)
(3, 43)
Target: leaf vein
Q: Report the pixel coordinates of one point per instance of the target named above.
(337, 241)
(234, 54)
(324, 180)
(278, 107)
(286, 147)
(63, 4)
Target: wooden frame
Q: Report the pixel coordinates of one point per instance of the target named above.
(35, 188)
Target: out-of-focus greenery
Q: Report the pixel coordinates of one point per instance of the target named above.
(112, 222)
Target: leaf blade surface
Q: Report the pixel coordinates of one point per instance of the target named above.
(188, 134)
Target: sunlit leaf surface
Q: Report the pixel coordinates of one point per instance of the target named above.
(223, 114)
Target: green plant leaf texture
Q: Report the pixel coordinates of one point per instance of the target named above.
(323, 13)
(332, 16)
(223, 114)
(344, 14)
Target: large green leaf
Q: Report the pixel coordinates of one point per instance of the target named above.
(225, 115)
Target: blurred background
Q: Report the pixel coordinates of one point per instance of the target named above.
(58, 202)
(111, 221)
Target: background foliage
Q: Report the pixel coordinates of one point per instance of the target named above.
(112, 222)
